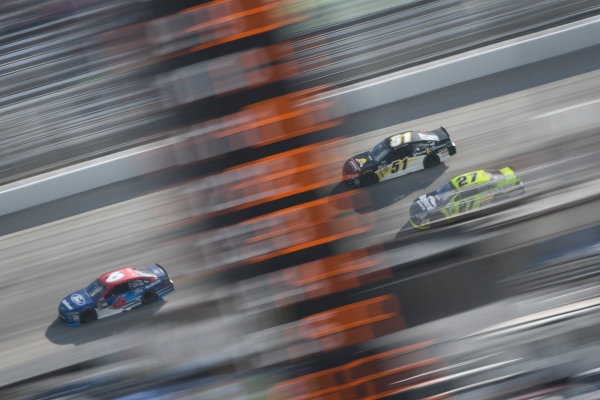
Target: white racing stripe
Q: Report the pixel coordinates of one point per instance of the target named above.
(565, 109)
(542, 317)
(67, 304)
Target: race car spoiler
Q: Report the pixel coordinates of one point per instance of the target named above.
(161, 268)
(442, 133)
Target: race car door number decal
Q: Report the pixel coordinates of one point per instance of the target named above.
(120, 302)
(395, 167)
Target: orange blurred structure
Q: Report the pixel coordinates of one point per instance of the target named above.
(346, 325)
(374, 377)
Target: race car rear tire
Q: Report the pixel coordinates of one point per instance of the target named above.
(432, 160)
(369, 178)
(149, 297)
(88, 315)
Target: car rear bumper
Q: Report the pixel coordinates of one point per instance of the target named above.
(166, 290)
(452, 149)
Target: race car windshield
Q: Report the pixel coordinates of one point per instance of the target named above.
(427, 136)
(379, 152)
(95, 289)
(494, 175)
(144, 271)
(447, 188)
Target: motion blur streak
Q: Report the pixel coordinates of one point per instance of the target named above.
(282, 232)
(370, 377)
(407, 33)
(63, 100)
(255, 125)
(254, 183)
(288, 284)
(312, 280)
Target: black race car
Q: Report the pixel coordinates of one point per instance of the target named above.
(398, 155)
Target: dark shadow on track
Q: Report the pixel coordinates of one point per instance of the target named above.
(406, 230)
(59, 333)
(372, 198)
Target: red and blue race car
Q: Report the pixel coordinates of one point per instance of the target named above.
(115, 292)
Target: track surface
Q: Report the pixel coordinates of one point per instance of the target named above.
(548, 125)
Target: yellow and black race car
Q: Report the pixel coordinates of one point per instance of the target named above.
(465, 193)
(398, 155)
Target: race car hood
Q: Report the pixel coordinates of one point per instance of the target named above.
(421, 210)
(361, 161)
(425, 203)
(358, 163)
(76, 301)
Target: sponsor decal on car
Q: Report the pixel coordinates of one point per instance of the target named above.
(426, 203)
(77, 299)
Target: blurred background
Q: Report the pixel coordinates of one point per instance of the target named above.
(209, 136)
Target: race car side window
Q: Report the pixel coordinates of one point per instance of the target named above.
(472, 191)
(399, 152)
(418, 147)
(487, 187)
(118, 289)
(135, 283)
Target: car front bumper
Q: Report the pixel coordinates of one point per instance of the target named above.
(67, 320)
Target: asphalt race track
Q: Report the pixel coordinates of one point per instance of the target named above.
(546, 129)
(548, 132)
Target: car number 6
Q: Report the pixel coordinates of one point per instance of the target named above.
(115, 276)
(120, 302)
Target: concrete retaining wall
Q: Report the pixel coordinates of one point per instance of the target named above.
(468, 66)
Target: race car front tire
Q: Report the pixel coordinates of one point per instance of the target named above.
(88, 315)
(369, 178)
(149, 297)
(432, 160)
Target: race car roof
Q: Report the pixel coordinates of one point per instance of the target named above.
(114, 277)
(400, 139)
(470, 179)
(410, 136)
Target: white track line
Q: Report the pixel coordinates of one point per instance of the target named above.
(561, 110)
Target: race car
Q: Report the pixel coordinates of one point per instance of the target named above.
(115, 292)
(465, 193)
(398, 155)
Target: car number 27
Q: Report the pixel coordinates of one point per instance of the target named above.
(463, 180)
